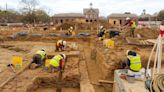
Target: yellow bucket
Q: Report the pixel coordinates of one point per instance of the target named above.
(17, 61)
(110, 44)
(47, 63)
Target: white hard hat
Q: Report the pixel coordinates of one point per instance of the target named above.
(64, 43)
(42, 49)
(127, 18)
(127, 52)
(63, 55)
(101, 27)
(71, 27)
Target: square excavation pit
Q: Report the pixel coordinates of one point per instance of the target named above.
(50, 84)
(70, 80)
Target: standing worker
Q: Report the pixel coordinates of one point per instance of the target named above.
(61, 45)
(101, 33)
(38, 59)
(131, 23)
(133, 61)
(57, 63)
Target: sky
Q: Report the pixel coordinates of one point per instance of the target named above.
(106, 7)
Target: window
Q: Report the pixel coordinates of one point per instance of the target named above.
(61, 21)
(114, 22)
(120, 22)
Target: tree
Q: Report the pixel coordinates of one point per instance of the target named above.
(29, 5)
(161, 15)
(10, 16)
(29, 10)
(40, 16)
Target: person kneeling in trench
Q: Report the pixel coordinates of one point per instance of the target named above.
(61, 45)
(38, 59)
(133, 61)
(57, 63)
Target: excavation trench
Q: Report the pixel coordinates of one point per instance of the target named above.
(50, 84)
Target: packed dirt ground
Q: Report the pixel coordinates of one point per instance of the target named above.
(94, 60)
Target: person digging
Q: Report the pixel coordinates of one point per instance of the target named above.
(61, 45)
(101, 33)
(57, 63)
(132, 24)
(38, 59)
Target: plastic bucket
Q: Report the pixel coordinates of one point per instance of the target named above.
(17, 61)
(130, 78)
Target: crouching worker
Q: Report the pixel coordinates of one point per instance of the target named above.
(38, 59)
(70, 31)
(133, 61)
(101, 33)
(57, 63)
(61, 45)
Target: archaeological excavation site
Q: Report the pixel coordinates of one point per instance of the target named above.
(46, 47)
(90, 65)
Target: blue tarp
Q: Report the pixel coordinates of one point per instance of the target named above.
(83, 34)
(18, 34)
(53, 34)
(36, 35)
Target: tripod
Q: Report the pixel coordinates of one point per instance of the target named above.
(158, 56)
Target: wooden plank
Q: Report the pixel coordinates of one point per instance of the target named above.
(106, 81)
(114, 84)
(135, 41)
(12, 77)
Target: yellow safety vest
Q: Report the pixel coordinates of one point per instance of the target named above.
(135, 62)
(42, 53)
(55, 60)
(133, 24)
(59, 42)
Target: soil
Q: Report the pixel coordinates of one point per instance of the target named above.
(100, 61)
(54, 90)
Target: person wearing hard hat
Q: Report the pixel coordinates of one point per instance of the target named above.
(70, 31)
(133, 61)
(131, 23)
(101, 33)
(57, 63)
(38, 59)
(162, 28)
(61, 45)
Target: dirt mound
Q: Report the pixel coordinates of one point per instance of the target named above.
(81, 26)
(147, 33)
(65, 26)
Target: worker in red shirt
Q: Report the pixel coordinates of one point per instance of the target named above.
(131, 23)
(61, 45)
(162, 28)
